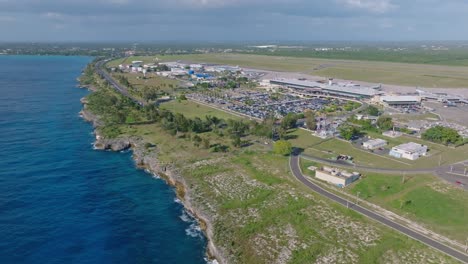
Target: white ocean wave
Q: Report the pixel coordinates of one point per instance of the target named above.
(213, 261)
(194, 230)
(186, 217)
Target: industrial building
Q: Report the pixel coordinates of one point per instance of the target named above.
(374, 144)
(333, 89)
(411, 151)
(340, 178)
(400, 100)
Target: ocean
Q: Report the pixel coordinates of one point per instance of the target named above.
(63, 202)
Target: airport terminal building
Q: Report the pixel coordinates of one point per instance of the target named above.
(342, 90)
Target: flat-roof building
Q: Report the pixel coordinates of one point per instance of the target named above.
(352, 91)
(411, 151)
(374, 144)
(340, 178)
(400, 100)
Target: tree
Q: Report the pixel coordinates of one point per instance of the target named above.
(282, 147)
(289, 121)
(372, 110)
(385, 122)
(348, 132)
(310, 120)
(441, 134)
(236, 141)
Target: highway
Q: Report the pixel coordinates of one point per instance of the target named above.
(113, 83)
(296, 170)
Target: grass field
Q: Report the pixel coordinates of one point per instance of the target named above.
(263, 214)
(437, 205)
(152, 80)
(330, 148)
(377, 72)
(424, 198)
(191, 109)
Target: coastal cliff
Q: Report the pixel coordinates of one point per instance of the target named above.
(146, 157)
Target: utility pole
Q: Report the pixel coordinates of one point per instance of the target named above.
(357, 197)
(347, 204)
(466, 245)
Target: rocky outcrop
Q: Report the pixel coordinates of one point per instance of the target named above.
(145, 156)
(90, 117)
(117, 144)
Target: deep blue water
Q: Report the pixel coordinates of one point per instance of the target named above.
(63, 202)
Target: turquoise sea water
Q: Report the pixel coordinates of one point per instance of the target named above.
(63, 202)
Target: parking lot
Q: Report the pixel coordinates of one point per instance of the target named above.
(260, 104)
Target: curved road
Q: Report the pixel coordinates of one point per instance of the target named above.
(296, 170)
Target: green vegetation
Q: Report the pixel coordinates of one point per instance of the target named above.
(289, 121)
(372, 71)
(384, 123)
(282, 147)
(191, 110)
(443, 135)
(348, 132)
(452, 57)
(148, 88)
(372, 110)
(441, 207)
(259, 213)
(310, 121)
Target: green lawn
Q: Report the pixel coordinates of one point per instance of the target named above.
(331, 148)
(439, 206)
(152, 80)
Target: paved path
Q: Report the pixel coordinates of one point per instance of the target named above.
(295, 168)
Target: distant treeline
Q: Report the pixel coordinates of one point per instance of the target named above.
(455, 57)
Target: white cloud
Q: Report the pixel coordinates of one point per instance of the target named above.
(374, 6)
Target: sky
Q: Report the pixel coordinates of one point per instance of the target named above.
(233, 20)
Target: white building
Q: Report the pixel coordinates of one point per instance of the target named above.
(340, 178)
(374, 143)
(411, 151)
(392, 134)
(400, 100)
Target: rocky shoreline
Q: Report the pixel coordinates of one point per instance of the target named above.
(145, 157)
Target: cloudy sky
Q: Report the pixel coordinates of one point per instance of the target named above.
(232, 20)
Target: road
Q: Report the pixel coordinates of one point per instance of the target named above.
(119, 88)
(370, 169)
(295, 169)
(442, 171)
